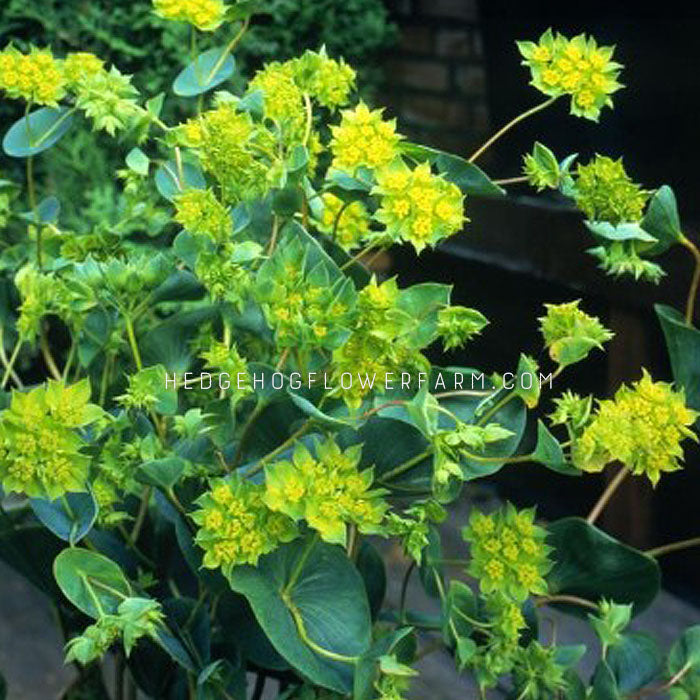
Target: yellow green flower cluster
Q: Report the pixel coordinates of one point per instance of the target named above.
(200, 212)
(576, 67)
(81, 64)
(508, 553)
(605, 192)
(642, 427)
(416, 205)
(328, 81)
(227, 141)
(36, 77)
(206, 15)
(40, 448)
(570, 334)
(283, 98)
(326, 490)
(457, 325)
(235, 525)
(348, 224)
(363, 138)
(305, 305)
(377, 346)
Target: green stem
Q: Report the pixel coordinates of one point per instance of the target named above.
(301, 630)
(48, 357)
(141, 515)
(359, 256)
(132, 342)
(231, 46)
(496, 407)
(404, 591)
(309, 119)
(300, 564)
(405, 466)
(5, 363)
(338, 217)
(572, 599)
(511, 180)
(285, 445)
(11, 363)
(695, 283)
(510, 125)
(607, 494)
(673, 547)
(31, 190)
(69, 360)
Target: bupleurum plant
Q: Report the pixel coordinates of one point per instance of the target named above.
(235, 413)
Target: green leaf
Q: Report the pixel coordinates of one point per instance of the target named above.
(399, 643)
(138, 161)
(169, 181)
(635, 661)
(90, 581)
(48, 210)
(662, 221)
(163, 473)
(591, 564)
(371, 567)
(37, 131)
(621, 232)
(527, 385)
(471, 179)
(207, 71)
(312, 411)
(603, 682)
(549, 452)
(683, 344)
(309, 590)
(685, 652)
(69, 518)
(430, 568)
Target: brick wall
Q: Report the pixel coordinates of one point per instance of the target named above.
(435, 77)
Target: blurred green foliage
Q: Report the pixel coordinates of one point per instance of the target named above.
(127, 33)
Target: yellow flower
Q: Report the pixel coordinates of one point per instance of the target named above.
(81, 64)
(577, 67)
(416, 205)
(348, 224)
(642, 427)
(363, 138)
(200, 212)
(206, 15)
(36, 77)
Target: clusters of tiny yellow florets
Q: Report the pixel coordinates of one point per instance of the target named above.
(418, 206)
(283, 98)
(327, 490)
(200, 212)
(326, 80)
(305, 308)
(642, 427)
(576, 67)
(605, 192)
(206, 15)
(363, 138)
(508, 553)
(347, 223)
(235, 525)
(81, 64)
(378, 346)
(36, 77)
(227, 142)
(40, 450)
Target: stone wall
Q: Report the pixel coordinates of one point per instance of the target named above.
(436, 81)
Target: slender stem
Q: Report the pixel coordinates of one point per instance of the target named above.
(255, 414)
(141, 516)
(695, 283)
(231, 46)
(132, 342)
(5, 363)
(338, 217)
(309, 119)
(360, 255)
(259, 687)
(69, 360)
(673, 547)
(31, 190)
(104, 381)
(286, 444)
(313, 541)
(11, 363)
(273, 237)
(666, 686)
(404, 591)
(496, 408)
(510, 125)
(511, 180)
(607, 495)
(283, 359)
(48, 357)
(409, 464)
(574, 600)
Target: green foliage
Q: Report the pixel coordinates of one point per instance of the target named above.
(240, 406)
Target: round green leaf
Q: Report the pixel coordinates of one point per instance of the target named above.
(635, 661)
(170, 183)
(662, 220)
(137, 161)
(313, 585)
(163, 473)
(37, 131)
(686, 651)
(591, 564)
(87, 578)
(70, 518)
(207, 71)
(683, 343)
(549, 452)
(621, 232)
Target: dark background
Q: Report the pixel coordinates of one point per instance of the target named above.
(514, 257)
